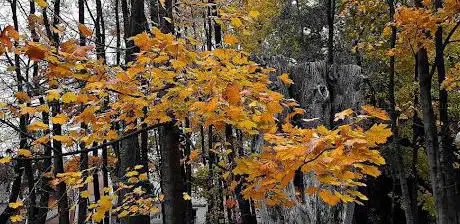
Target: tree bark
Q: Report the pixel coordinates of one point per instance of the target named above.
(446, 148)
(172, 183)
(396, 153)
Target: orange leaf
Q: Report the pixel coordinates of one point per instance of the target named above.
(85, 30)
(376, 112)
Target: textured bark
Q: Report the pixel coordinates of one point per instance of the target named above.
(446, 153)
(171, 180)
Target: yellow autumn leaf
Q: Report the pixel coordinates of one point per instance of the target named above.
(328, 197)
(85, 30)
(5, 160)
(64, 139)
(138, 167)
(377, 134)
(143, 176)
(285, 79)
(342, 115)
(16, 204)
(236, 22)
(16, 218)
(28, 110)
(24, 152)
(194, 155)
(53, 95)
(84, 194)
(60, 119)
(376, 112)
(186, 196)
(22, 96)
(230, 39)
(38, 125)
(132, 173)
(370, 170)
(41, 3)
(69, 97)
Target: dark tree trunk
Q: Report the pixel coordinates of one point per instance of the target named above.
(126, 35)
(45, 189)
(100, 31)
(446, 149)
(188, 173)
(105, 178)
(130, 151)
(172, 183)
(83, 202)
(398, 162)
(117, 31)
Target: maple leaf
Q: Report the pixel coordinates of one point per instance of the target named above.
(328, 197)
(41, 3)
(132, 173)
(85, 30)
(38, 125)
(36, 51)
(24, 152)
(16, 218)
(285, 79)
(143, 176)
(60, 119)
(230, 39)
(378, 134)
(376, 112)
(232, 94)
(5, 160)
(69, 97)
(64, 139)
(53, 95)
(22, 96)
(342, 115)
(186, 196)
(138, 167)
(16, 204)
(84, 194)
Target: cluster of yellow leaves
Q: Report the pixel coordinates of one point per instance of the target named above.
(15, 205)
(340, 157)
(136, 201)
(416, 25)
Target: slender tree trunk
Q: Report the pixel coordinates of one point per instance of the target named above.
(397, 157)
(446, 154)
(45, 189)
(18, 166)
(105, 178)
(117, 31)
(100, 31)
(188, 174)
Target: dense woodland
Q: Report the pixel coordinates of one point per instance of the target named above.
(259, 111)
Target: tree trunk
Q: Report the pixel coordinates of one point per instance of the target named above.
(397, 158)
(446, 153)
(172, 183)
